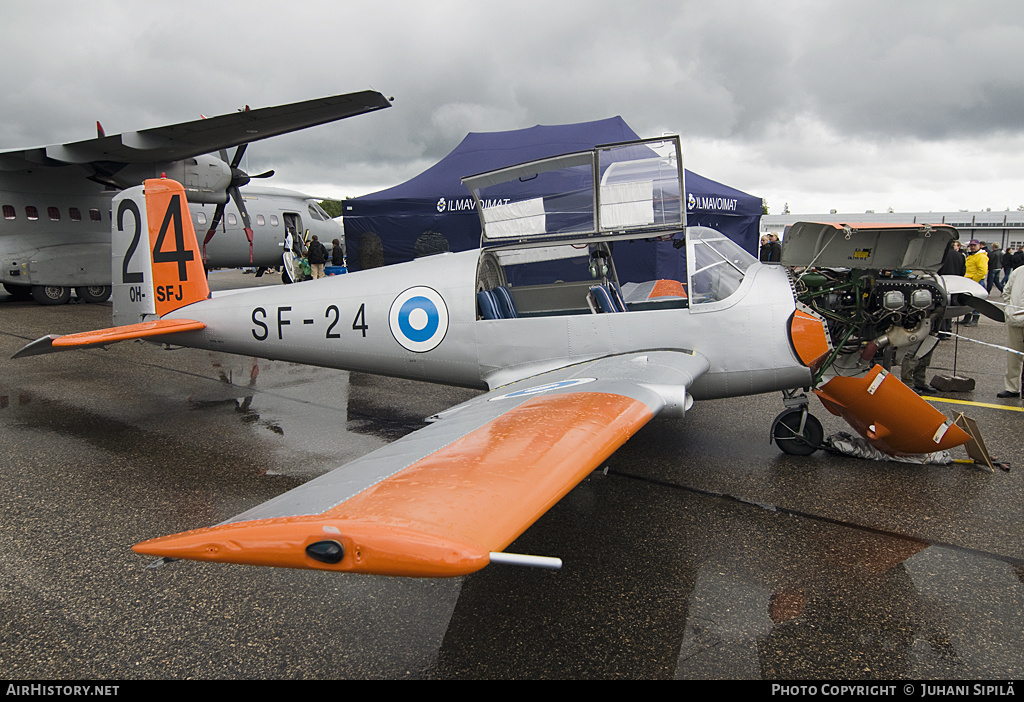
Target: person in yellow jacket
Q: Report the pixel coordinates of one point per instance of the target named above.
(977, 270)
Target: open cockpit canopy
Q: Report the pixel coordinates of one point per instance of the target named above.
(627, 190)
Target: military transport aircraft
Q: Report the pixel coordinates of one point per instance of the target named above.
(273, 212)
(573, 365)
(55, 230)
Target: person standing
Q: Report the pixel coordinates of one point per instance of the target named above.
(995, 264)
(1007, 265)
(338, 254)
(1017, 260)
(1013, 296)
(316, 254)
(977, 270)
(953, 263)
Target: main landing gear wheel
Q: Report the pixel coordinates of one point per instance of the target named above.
(797, 432)
(93, 293)
(51, 294)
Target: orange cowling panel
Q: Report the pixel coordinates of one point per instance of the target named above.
(809, 337)
(443, 514)
(891, 416)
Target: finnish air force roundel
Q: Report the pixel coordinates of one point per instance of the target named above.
(419, 319)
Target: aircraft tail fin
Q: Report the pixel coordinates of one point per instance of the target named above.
(156, 263)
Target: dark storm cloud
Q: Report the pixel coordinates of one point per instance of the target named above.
(923, 69)
(790, 86)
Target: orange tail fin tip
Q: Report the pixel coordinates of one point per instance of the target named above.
(179, 277)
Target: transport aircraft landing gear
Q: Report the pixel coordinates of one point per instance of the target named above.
(93, 293)
(51, 294)
(22, 293)
(796, 431)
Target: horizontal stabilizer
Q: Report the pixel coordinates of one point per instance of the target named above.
(103, 337)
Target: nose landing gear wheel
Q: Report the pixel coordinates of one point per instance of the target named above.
(797, 432)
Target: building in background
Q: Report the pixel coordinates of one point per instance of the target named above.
(1005, 228)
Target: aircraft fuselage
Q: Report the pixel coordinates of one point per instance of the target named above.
(55, 228)
(380, 321)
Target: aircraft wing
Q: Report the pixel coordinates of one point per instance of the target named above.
(202, 136)
(443, 500)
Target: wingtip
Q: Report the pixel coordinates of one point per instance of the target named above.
(39, 346)
(298, 542)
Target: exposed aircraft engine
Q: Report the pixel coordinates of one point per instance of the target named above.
(875, 284)
(877, 288)
(870, 312)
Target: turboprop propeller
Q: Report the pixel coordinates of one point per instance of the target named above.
(238, 179)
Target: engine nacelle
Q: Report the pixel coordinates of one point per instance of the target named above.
(206, 178)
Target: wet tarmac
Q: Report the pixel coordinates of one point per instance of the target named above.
(700, 552)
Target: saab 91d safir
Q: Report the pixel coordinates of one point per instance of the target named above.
(573, 362)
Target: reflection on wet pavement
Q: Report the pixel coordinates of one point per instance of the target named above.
(725, 590)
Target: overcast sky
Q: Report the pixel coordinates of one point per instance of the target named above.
(854, 105)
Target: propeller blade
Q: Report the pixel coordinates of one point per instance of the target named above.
(238, 178)
(239, 153)
(236, 195)
(217, 215)
(985, 307)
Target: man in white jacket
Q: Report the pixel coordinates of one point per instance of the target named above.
(1013, 296)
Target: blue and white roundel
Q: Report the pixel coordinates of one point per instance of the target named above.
(419, 319)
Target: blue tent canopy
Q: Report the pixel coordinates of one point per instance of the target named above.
(434, 211)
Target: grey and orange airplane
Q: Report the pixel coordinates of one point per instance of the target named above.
(572, 363)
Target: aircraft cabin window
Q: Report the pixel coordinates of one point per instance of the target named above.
(75, 214)
(31, 212)
(260, 220)
(200, 218)
(232, 220)
(718, 267)
(9, 212)
(94, 215)
(273, 220)
(53, 213)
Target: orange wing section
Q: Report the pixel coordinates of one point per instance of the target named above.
(178, 275)
(891, 416)
(444, 514)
